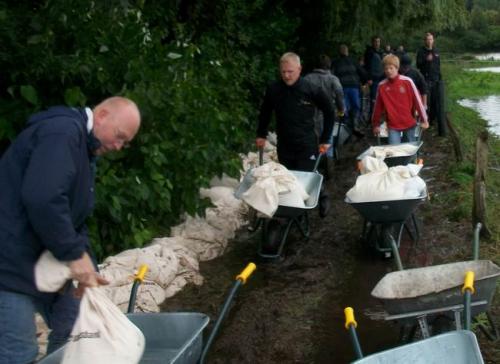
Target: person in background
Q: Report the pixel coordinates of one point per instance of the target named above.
(351, 76)
(418, 79)
(400, 51)
(429, 64)
(46, 194)
(399, 99)
(322, 77)
(294, 101)
(387, 50)
(372, 61)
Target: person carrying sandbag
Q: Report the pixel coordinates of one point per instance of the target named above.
(46, 194)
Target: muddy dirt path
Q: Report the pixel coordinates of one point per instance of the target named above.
(292, 311)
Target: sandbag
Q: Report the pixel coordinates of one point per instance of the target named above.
(393, 150)
(386, 184)
(102, 334)
(271, 180)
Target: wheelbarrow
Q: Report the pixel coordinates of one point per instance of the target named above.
(172, 337)
(275, 230)
(434, 292)
(392, 161)
(456, 347)
(379, 219)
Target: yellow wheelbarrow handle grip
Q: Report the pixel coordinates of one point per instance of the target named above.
(246, 273)
(469, 282)
(141, 273)
(349, 318)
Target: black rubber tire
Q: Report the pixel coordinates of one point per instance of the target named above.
(271, 238)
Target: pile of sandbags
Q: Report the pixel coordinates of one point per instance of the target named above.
(380, 183)
(173, 261)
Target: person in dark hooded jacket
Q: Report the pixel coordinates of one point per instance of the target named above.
(46, 194)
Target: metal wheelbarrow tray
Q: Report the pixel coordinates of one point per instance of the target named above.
(311, 181)
(439, 286)
(398, 160)
(275, 230)
(390, 211)
(170, 338)
(456, 347)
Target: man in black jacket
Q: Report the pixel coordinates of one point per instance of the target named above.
(46, 194)
(373, 65)
(429, 64)
(294, 102)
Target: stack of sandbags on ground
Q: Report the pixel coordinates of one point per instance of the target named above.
(173, 261)
(393, 150)
(171, 266)
(273, 184)
(380, 183)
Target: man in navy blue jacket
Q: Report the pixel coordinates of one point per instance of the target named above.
(46, 194)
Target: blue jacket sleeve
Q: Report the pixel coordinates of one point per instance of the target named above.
(45, 195)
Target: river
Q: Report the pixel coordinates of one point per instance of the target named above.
(487, 107)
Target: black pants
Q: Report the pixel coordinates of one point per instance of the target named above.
(433, 101)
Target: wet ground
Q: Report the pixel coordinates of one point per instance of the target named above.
(292, 311)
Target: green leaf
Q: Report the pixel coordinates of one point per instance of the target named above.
(74, 97)
(29, 93)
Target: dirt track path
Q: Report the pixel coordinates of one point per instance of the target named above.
(292, 312)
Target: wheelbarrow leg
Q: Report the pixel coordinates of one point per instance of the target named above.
(303, 224)
(424, 327)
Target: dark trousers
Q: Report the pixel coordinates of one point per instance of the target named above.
(433, 100)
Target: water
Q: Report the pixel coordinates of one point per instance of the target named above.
(488, 109)
(488, 57)
(485, 69)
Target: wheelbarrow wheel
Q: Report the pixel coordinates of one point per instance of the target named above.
(271, 236)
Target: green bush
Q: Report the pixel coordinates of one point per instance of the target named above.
(196, 93)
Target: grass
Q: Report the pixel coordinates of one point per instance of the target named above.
(469, 84)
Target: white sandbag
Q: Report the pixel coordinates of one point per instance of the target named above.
(221, 196)
(162, 264)
(372, 164)
(271, 180)
(102, 334)
(198, 228)
(224, 181)
(50, 273)
(393, 150)
(395, 183)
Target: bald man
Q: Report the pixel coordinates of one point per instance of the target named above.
(46, 194)
(294, 102)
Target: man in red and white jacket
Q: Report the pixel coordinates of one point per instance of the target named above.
(399, 99)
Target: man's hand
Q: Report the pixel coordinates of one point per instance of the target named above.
(323, 148)
(376, 130)
(260, 142)
(83, 271)
(424, 125)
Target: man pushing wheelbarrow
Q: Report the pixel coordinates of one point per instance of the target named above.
(294, 102)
